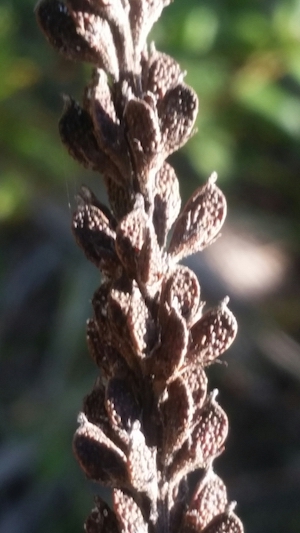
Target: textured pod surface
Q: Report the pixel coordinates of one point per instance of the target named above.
(99, 457)
(108, 130)
(143, 480)
(196, 381)
(169, 354)
(128, 513)
(141, 326)
(94, 408)
(211, 431)
(144, 138)
(200, 221)
(182, 291)
(213, 334)
(167, 202)
(96, 237)
(77, 133)
(177, 112)
(130, 238)
(226, 522)
(142, 16)
(103, 353)
(161, 73)
(122, 408)
(57, 23)
(209, 500)
(205, 441)
(177, 411)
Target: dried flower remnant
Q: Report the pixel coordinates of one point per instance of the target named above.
(149, 420)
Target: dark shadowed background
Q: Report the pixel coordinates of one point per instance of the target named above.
(243, 59)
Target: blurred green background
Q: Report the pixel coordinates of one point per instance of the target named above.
(243, 60)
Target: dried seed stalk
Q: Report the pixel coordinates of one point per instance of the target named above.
(149, 420)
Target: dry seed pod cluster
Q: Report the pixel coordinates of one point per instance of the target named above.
(149, 420)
